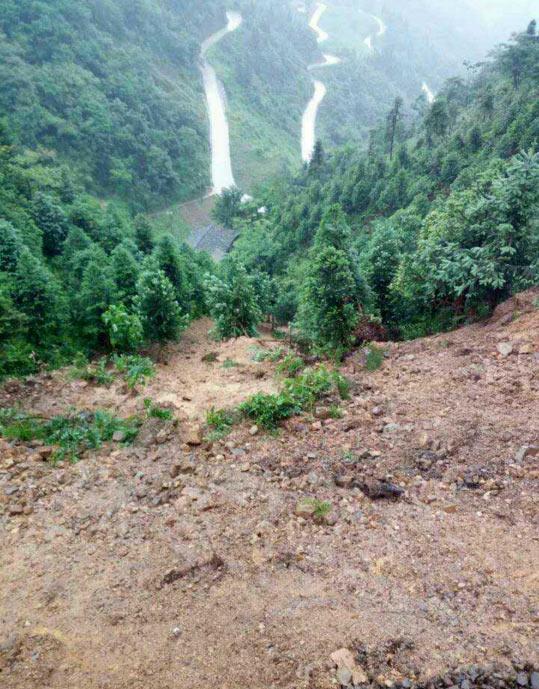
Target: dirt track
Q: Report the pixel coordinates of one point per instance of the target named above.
(163, 567)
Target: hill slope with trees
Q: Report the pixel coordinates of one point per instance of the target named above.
(437, 221)
(112, 89)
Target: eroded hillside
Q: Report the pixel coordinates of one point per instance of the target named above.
(177, 562)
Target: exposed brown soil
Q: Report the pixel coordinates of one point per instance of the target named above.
(164, 566)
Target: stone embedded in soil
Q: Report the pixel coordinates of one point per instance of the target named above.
(348, 670)
(505, 348)
(305, 509)
(526, 451)
(194, 435)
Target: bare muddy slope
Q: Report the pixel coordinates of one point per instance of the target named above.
(170, 565)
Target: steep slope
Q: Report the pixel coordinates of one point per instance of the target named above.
(423, 214)
(168, 565)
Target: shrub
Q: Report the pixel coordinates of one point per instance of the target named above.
(267, 411)
(233, 301)
(95, 373)
(290, 366)
(135, 369)
(72, 433)
(258, 354)
(315, 383)
(124, 329)
(220, 421)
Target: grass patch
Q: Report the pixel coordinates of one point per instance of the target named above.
(154, 411)
(267, 411)
(72, 434)
(299, 394)
(230, 363)
(96, 373)
(335, 412)
(135, 370)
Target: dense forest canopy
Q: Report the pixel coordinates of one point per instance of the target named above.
(103, 115)
(112, 89)
(435, 222)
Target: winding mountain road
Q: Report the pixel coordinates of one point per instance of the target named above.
(308, 123)
(221, 165)
(382, 28)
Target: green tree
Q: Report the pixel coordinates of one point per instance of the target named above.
(125, 271)
(158, 310)
(143, 234)
(10, 246)
(393, 119)
(97, 293)
(171, 261)
(233, 301)
(37, 295)
(437, 119)
(328, 312)
(318, 157)
(227, 206)
(52, 221)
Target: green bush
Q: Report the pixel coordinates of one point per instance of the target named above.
(124, 329)
(259, 354)
(95, 373)
(137, 370)
(315, 383)
(290, 366)
(267, 411)
(72, 434)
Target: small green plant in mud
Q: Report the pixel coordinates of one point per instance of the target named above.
(290, 366)
(154, 411)
(258, 354)
(96, 373)
(335, 412)
(71, 434)
(220, 422)
(315, 383)
(375, 357)
(210, 357)
(230, 363)
(136, 370)
(298, 394)
(321, 509)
